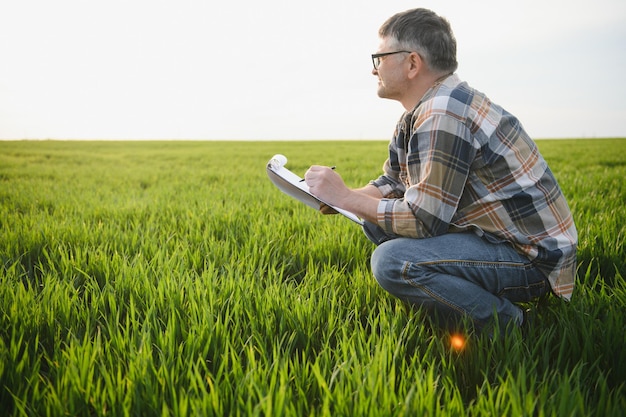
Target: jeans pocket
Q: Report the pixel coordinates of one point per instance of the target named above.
(522, 294)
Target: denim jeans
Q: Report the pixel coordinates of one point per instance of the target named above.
(457, 275)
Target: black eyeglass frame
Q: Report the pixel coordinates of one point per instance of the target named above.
(376, 57)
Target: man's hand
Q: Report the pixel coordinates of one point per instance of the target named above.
(326, 184)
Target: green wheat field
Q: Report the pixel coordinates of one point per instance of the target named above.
(173, 279)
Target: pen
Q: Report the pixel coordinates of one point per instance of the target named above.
(333, 167)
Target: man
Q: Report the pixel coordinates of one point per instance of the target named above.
(468, 218)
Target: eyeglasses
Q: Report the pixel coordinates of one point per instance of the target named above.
(376, 57)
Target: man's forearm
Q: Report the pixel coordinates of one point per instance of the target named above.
(370, 190)
(363, 202)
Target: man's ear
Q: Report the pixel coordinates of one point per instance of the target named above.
(416, 65)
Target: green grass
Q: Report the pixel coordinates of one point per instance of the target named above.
(172, 278)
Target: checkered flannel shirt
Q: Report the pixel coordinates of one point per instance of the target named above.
(459, 162)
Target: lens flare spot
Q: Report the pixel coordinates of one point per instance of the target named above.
(457, 342)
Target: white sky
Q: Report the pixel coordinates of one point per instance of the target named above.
(281, 69)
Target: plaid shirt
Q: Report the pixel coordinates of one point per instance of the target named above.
(459, 162)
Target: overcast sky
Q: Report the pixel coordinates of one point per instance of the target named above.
(287, 69)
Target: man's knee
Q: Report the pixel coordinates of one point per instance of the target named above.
(387, 267)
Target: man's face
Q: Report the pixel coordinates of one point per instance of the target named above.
(391, 71)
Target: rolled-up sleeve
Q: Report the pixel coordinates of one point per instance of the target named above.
(389, 187)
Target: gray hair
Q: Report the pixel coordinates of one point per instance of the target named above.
(426, 33)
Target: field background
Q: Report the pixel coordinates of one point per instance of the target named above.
(172, 278)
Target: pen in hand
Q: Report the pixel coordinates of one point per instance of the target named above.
(333, 167)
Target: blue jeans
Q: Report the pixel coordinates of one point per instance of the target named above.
(457, 275)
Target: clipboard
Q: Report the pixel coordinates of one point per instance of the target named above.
(292, 185)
